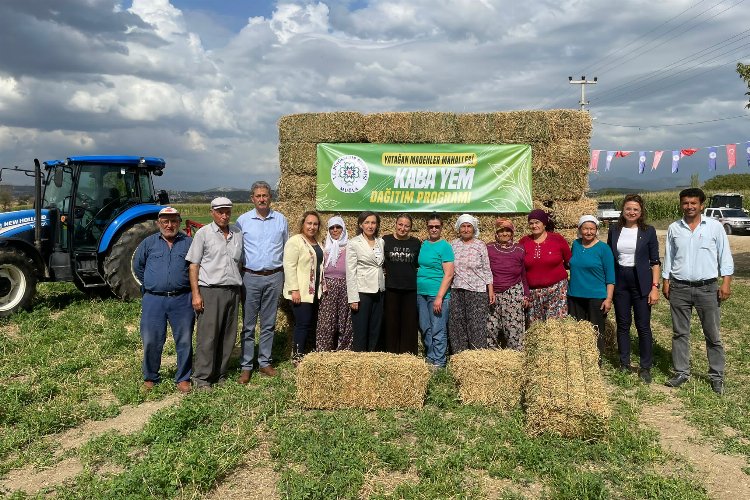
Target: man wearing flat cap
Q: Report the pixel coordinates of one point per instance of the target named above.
(215, 262)
(160, 266)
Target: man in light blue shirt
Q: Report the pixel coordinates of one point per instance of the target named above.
(264, 233)
(697, 253)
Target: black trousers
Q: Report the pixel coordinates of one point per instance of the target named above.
(401, 321)
(367, 322)
(589, 310)
(629, 302)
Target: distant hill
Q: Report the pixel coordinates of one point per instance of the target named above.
(600, 182)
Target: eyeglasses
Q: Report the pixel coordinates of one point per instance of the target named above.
(433, 227)
(335, 227)
(167, 222)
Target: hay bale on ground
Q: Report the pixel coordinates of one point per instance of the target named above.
(339, 126)
(369, 380)
(489, 377)
(567, 213)
(564, 392)
(298, 158)
(610, 337)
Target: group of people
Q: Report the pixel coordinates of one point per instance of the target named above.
(372, 293)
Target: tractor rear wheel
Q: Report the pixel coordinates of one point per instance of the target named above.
(17, 281)
(118, 264)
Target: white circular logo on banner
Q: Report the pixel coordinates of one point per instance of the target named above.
(748, 150)
(642, 158)
(675, 157)
(349, 173)
(712, 154)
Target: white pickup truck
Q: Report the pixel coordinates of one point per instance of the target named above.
(606, 211)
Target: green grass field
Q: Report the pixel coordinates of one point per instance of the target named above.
(72, 360)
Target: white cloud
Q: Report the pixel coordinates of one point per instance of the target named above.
(290, 20)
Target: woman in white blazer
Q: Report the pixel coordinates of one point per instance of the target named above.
(303, 279)
(365, 281)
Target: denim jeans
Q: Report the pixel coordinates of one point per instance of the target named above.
(705, 299)
(261, 300)
(156, 312)
(434, 329)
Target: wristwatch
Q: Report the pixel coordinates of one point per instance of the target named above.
(656, 285)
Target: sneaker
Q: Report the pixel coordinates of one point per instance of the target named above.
(625, 369)
(717, 386)
(677, 380)
(645, 375)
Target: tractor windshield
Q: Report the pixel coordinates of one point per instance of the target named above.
(58, 188)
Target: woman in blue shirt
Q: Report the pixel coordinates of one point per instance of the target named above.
(592, 278)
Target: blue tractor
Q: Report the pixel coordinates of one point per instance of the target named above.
(94, 212)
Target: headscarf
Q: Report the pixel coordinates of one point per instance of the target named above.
(539, 215)
(587, 218)
(501, 223)
(471, 220)
(331, 247)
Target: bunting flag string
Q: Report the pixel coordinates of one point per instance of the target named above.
(677, 155)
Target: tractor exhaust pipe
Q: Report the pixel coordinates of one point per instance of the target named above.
(37, 205)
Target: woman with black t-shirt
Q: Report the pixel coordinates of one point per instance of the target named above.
(401, 322)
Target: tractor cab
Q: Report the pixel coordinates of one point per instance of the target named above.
(89, 192)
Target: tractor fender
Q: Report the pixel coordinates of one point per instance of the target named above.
(124, 220)
(28, 249)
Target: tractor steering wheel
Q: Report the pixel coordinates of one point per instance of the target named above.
(95, 215)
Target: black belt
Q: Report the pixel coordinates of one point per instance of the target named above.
(169, 294)
(265, 272)
(695, 283)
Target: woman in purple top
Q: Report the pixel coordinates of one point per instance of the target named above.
(506, 323)
(334, 329)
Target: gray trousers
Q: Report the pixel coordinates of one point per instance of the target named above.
(261, 300)
(705, 299)
(215, 334)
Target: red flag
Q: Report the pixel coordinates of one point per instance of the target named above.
(731, 155)
(594, 164)
(657, 157)
(622, 154)
(688, 152)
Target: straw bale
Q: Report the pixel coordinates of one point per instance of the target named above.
(369, 380)
(299, 188)
(478, 128)
(339, 126)
(411, 127)
(570, 124)
(564, 392)
(567, 213)
(524, 127)
(489, 377)
(298, 158)
(610, 337)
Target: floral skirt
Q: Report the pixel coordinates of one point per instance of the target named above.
(548, 302)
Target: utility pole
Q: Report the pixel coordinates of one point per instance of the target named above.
(582, 82)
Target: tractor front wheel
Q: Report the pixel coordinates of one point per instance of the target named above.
(118, 264)
(17, 281)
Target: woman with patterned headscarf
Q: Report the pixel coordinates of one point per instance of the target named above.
(472, 291)
(334, 329)
(505, 325)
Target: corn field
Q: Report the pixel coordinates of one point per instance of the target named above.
(664, 205)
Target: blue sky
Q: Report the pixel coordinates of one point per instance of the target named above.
(203, 83)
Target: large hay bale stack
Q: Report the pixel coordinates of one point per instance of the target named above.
(338, 126)
(489, 377)
(564, 392)
(369, 380)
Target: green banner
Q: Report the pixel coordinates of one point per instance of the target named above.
(424, 177)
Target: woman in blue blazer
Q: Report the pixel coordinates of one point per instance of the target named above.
(637, 271)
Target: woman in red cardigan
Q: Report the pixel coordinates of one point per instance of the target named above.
(546, 259)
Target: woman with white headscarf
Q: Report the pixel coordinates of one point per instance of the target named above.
(592, 277)
(472, 290)
(334, 329)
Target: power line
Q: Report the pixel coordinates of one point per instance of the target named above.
(671, 124)
(612, 53)
(676, 64)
